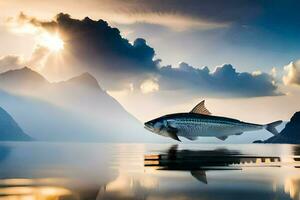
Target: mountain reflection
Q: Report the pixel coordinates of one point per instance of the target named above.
(4, 152)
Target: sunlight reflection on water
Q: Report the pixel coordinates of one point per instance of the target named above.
(42, 171)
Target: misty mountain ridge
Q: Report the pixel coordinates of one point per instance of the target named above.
(26, 80)
(46, 122)
(9, 129)
(85, 80)
(86, 109)
(22, 74)
(22, 81)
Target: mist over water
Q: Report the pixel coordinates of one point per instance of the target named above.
(39, 170)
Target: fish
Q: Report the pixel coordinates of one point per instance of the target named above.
(200, 122)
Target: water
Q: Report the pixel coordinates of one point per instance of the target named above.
(46, 171)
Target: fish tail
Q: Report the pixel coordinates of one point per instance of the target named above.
(271, 127)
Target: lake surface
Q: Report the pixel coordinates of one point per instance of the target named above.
(42, 171)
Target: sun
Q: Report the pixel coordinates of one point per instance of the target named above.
(51, 41)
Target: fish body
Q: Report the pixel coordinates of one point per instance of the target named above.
(193, 125)
(199, 122)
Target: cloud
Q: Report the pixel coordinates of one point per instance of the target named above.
(174, 21)
(175, 14)
(223, 81)
(149, 86)
(178, 15)
(95, 47)
(38, 58)
(10, 62)
(210, 10)
(293, 73)
(95, 38)
(36, 61)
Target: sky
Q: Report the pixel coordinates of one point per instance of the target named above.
(163, 56)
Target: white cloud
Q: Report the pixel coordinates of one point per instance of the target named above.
(149, 86)
(36, 61)
(293, 73)
(274, 72)
(10, 62)
(256, 73)
(224, 81)
(174, 21)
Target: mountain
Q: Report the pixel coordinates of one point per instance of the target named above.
(85, 80)
(289, 135)
(44, 121)
(22, 80)
(77, 109)
(9, 129)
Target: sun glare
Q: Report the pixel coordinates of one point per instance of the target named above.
(52, 42)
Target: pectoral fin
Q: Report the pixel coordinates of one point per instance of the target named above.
(191, 137)
(173, 135)
(222, 138)
(239, 133)
(172, 130)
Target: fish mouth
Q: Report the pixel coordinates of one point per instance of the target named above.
(148, 127)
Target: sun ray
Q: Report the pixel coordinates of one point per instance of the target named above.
(51, 41)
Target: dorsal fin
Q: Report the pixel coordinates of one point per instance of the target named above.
(201, 109)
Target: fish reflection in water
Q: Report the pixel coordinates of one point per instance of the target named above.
(250, 176)
(198, 162)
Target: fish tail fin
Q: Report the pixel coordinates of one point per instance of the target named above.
(271, 127)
